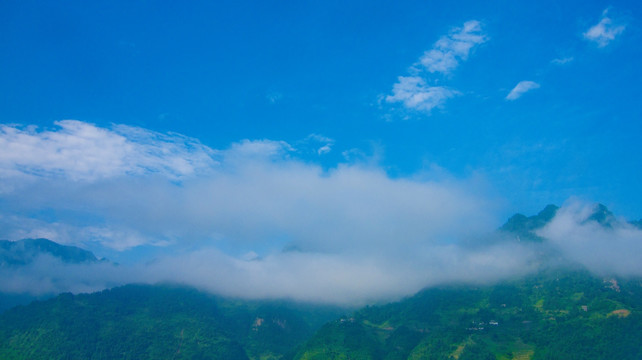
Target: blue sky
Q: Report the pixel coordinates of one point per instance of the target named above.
(490, 108)
(226, 71)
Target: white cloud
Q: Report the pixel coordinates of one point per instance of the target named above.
(256, 149)
(83, 151)
(274, 97)
(341, 278)
(413, 92)
(336, 278)
(613, 250)
(324, 149)
(449, 50)
(521, 88)
(48, 275)
(353, 233)
(355, 271)
(253, 191)
(322, 144)
(604, 31)
(562, 61)
(360, 234)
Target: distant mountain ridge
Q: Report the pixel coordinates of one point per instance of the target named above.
(15, 255)
(603, 216)
(23, 252)
(524, 228)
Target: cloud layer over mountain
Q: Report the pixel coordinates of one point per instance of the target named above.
(255, 220)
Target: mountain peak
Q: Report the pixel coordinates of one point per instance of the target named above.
(602, 215)
(524, 226)
(548, 213)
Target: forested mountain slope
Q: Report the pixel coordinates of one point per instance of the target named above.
(553, 315)
(561, 311)
(156, 322)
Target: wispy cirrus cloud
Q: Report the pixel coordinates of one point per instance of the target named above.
(521, 88)
(83, 151)
(448, 51)
(605, 31)
(321, 144)
(563, 60)
(414, 91)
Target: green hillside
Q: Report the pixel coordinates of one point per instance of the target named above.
(156, 322)
(554, 315)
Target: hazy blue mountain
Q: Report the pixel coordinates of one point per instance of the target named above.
(22, 252)
(602, 216)
(524, 227)
(16, 254)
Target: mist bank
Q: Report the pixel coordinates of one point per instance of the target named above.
(570, 239)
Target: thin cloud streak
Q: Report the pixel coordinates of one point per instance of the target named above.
(563, 61)
(521, 88)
